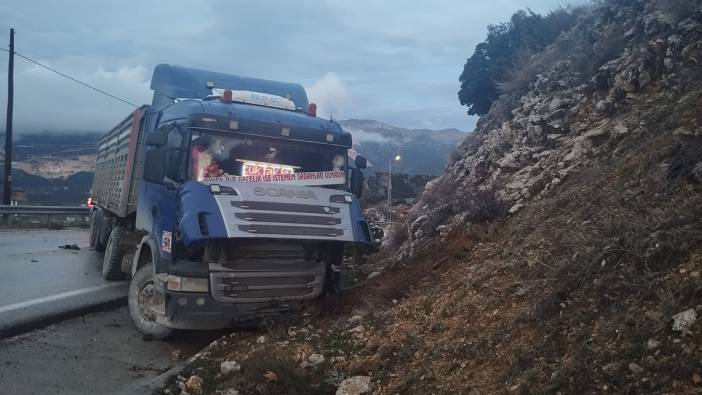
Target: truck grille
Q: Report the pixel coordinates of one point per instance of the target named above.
(288, 219)
(265, 271)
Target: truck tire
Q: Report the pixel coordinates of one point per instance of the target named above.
(94, 228)
(112, 261)
(100, 244)
(141, 292)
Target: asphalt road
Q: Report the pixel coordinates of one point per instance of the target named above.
(41, 283)
(99, 353)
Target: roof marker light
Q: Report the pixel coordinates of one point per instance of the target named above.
(330, 137)
(233, 124)
(285, 131)
(227, 95)
(312, 110)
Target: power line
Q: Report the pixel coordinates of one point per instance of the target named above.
(70, 78)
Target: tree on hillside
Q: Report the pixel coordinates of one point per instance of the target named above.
(526, 32)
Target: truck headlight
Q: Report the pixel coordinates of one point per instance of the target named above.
(187, 284)
(338, 162)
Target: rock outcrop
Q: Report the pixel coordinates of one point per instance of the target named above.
(577, 112)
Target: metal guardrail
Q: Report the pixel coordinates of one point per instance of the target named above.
(44, 210)
(53, 217)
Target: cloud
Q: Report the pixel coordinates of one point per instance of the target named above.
(397, 64)
(361, 136)
(46, 101)
(330, 95)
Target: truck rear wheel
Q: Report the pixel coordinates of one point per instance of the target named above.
(112, 261)
(93, 227)
(97, 222)
(141, 294)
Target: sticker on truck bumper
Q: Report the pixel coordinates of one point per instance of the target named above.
(166, 241)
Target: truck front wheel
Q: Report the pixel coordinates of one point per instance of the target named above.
(141, 294)
(112, 261)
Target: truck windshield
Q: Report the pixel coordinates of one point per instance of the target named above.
(218, 155)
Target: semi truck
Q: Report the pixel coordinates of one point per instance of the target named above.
(224, 201)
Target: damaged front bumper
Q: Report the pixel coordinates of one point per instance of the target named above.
(243, 281)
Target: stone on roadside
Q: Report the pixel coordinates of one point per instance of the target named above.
(262, 339)
(316, 359)
(355, 319)
(611, 368)
(194, 384)
(697, 172)
(683, 320)
(603, 107)
(355, 385)
(358, 329)
(652, 344)
(373, 275)
(635, 367)
(228, 367)
(514, 209)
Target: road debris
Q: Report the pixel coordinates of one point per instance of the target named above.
(70, 247)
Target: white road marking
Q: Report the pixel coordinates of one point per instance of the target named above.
(52, 298)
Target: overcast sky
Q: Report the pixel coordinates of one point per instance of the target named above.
(396, 62)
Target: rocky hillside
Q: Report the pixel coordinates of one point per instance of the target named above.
(423, 151)
(571, 220)
(559, 253)
(53, 168)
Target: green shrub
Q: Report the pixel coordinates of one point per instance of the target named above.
(496, 56)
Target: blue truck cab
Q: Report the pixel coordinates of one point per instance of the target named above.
(226, 200)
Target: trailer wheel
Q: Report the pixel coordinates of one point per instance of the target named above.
(93, 228)
(112, 261)
(141, 294)
(99, 222)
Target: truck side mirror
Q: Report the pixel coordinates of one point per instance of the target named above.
(156, 138)
(154, 164)
(361, 162)
(356, 184)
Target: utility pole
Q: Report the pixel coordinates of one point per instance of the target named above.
(7, 180)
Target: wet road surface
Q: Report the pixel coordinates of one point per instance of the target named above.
(100, 353)
(96, 353)
(40, 281)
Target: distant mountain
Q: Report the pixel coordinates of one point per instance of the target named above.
(57, 168)
(53, 168)
(422, 151)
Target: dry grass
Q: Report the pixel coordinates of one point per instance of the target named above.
(521, 74)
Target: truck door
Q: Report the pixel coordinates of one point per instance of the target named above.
(164, 172)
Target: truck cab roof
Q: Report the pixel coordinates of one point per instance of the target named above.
(181, 92)
(177, 82)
